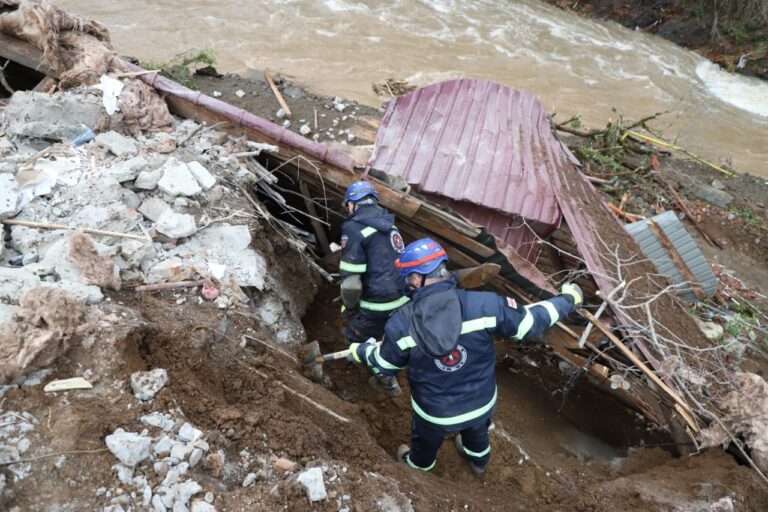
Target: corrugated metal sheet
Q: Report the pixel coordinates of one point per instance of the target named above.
(477, 142)
(686, 247)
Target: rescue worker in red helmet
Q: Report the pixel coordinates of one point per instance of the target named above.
(444, 336)
(371, 287)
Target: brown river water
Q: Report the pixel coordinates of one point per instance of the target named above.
(575, 65)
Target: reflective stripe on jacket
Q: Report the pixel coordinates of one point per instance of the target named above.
(458, 389)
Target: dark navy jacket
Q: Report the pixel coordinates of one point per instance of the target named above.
(447, 345)
(370, 245)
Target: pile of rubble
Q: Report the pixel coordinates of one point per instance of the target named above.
(165, 206)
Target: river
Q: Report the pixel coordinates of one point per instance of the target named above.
(575, 65)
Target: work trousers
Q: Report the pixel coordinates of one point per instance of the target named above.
(366, 324)
(427, 438)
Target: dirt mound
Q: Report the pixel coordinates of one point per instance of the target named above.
(45, 326)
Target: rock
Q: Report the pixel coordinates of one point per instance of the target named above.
(181, 451)
(184, 491)
(312, 480)
(202, 506)
(204, 178)
(719, 185)
(179, 507)
(60, 116)
(711, 330)
(305, 129)
(159, 420)
(165, 270)
(280, 114)
(249, 479)
(209, 497)
(117, 144)
(131, 199)
(157, 504)
(713, 195)
(239, 93)
(282, 465)
(147, 180)
(124, 473)
(196, 457)
(286, 123)
(14, 282)
(91, 294)
(9, 196)
(153, 207)
(176, 225)
(130, 448)
(146, 385)
(126, 170)
(177, 179)
(340, 107)
(188, 433)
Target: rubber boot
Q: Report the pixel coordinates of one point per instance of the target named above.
(476, 470)
(386, 384)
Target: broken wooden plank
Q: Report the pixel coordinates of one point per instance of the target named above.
(277, 94)
(25, 54)
(322, 237)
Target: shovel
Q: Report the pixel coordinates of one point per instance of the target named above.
(312, 359)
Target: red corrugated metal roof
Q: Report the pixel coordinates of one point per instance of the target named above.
(476, 141)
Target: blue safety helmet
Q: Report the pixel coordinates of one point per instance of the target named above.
(422, 256)
(360, 190)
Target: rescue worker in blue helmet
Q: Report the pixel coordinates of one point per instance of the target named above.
(371, 287)
(444, 336)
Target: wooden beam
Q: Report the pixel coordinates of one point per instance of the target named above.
(25, 54)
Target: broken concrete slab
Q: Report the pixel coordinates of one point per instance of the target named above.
(59, 116)
(14, 282)
(188, 433)
(178, 180)
(204, 178)
(126, 170)
(6, 312)
(147, 180)
(130, 448)
(146, 385)
(153, 207)
(9, 196)
(117, 144)
(176, 225)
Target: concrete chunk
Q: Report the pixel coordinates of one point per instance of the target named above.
(129, 447)
(153, 207)
(147, 180)
(176, 225)
(43, 116)
(312, 480)
(178, 180)
(201, 174)
(9, 195)
(117, 144)
(708, 193)
(146, 385)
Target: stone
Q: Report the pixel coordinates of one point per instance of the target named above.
(9, 196)
(44, 116)
(312, 480)
(204, 178)
(305, 129)
(124, 473)
(181, 451)
(280, 114)
(178, 180)
(130, 448)
(14, 282)
(130, 198)
(282, 465)
(158, 419)
(117, 144)
(711, 330)
(719, 185)
(202, 506)
(713, 195)
(185, 490)
(126, 170)
(153, 207)
(286, 123)
(146, 385)
(147, 180)
(91, 294)
(176, 225)
(157, 504)
(209, 497)
(179, 507)
(249, 479)
(239, 93)
(188, 433)
(195, 457)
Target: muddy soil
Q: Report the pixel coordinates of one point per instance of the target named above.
(687, 26)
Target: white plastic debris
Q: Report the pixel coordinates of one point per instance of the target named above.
(110, 89)
(64, 384)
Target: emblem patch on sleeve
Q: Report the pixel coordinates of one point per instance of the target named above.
(344, 240)
(511, 303)
(397, 242)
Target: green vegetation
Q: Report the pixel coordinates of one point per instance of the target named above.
(736, 18)
(182, 67)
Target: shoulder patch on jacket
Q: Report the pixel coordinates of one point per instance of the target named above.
(397, 241)
(511, 303)
(344, 240)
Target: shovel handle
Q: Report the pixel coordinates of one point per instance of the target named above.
(333, 356)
